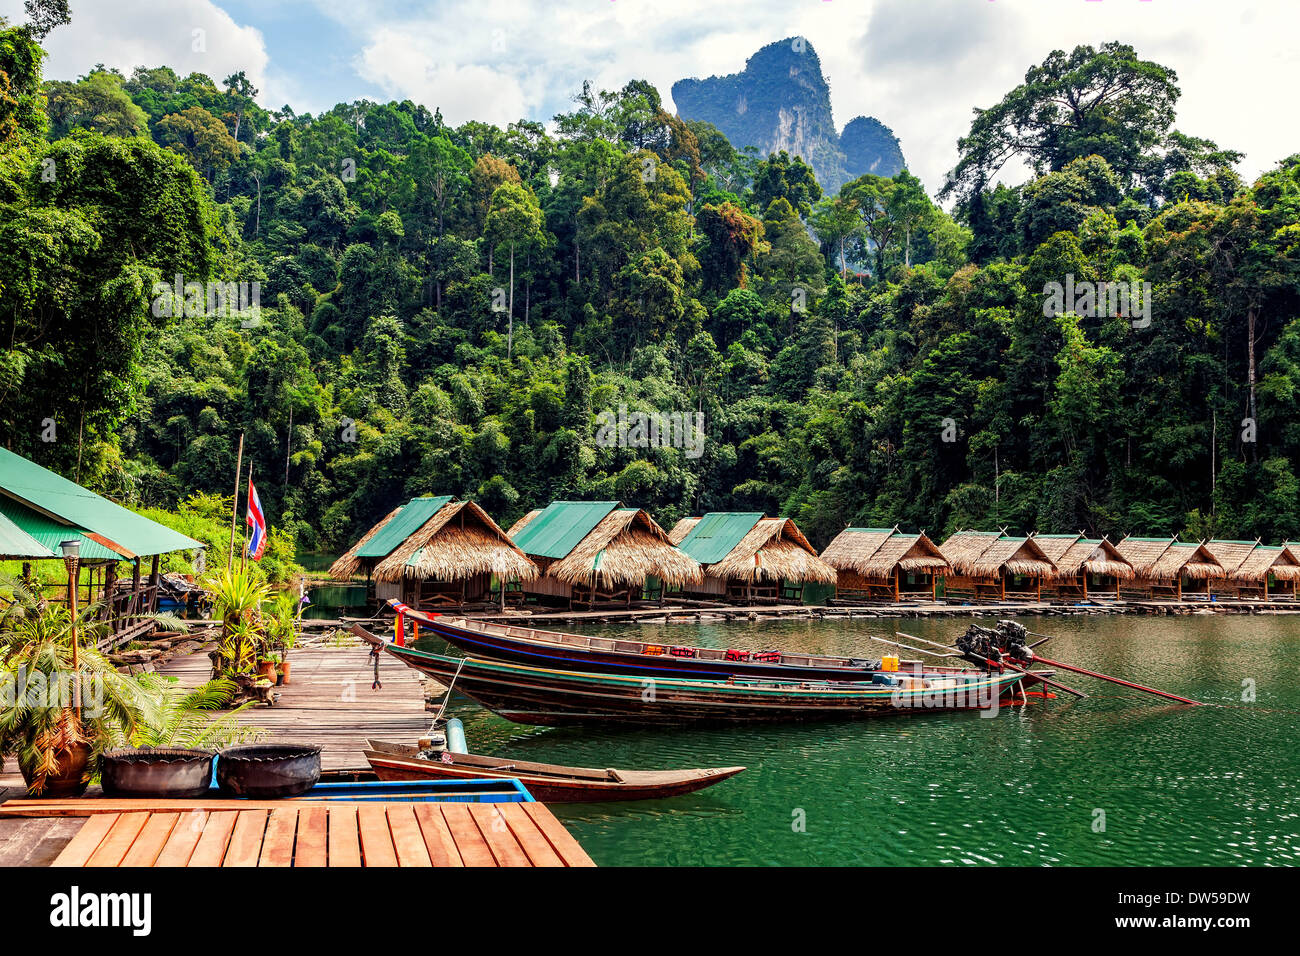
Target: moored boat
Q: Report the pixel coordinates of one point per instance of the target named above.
(604, 655)
(549, 783)
(535, 695)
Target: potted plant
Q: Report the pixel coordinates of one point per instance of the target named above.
(282, 623)
(62, 715)
(238, 594)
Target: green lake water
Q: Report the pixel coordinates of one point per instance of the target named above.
(1178, 785)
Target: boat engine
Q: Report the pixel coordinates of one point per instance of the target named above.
(981, 646)
(1013, 640)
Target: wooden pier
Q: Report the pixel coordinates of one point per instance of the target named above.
(92, 832)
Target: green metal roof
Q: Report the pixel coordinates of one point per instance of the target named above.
(561, 525)
(404, 524)
(49, 533)
(45, 491)
(717, 533)
(17, 543)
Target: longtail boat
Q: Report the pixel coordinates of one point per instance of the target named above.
(537, 695)
(547, 782)
(605, 655)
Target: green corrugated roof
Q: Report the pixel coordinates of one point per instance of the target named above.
(404, 524)
(45, 491)
(717, 533)
(17, 543)
(561, 525)
(49, 534)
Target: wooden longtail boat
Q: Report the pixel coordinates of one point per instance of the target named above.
(603, 655)
(536, 695)
(547, 782)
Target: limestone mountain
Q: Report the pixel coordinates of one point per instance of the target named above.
(781, 101)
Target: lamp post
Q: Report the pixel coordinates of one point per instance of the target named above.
(71, 558)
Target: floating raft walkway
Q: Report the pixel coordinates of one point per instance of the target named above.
(92, 832)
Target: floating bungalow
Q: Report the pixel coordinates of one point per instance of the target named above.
(44, 516)
(748, 557)
(594, 552)
(1169, 568)
(1086, 568)
(1255, 571)
(992, 566)
(885, 565)
(434, 553)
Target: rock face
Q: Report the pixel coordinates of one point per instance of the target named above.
(781, 101)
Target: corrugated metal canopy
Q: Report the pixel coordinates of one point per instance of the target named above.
(404, 524)
(717, 533)
(45, 491)
(15, 543)
(50, 534)
(561, 525)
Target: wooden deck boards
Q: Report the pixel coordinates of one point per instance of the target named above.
(268, 834)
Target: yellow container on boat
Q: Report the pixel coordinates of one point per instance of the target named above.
(889, 663)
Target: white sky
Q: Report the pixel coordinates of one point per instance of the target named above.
(919, 66)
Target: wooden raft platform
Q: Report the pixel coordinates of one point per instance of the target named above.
(279, 833)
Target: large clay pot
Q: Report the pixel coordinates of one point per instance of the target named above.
(268, 770)
(71, 780)
(162, 772)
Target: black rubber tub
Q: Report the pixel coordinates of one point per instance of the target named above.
(268, 770)
(166, 772)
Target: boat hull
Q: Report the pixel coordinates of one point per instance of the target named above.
(539, 696)
(482, 641)
(557, 785)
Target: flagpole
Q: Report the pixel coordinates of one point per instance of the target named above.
(234, 509)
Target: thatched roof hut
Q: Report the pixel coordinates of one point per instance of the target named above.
(1074, 555)
(599, 547)
(381, 540)
(681, 529)
(991, 554)
(882, 552)
(1168, 560)
(748, 547)
(1252, 562)
(459, 541)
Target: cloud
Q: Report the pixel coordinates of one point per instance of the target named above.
(187, 35)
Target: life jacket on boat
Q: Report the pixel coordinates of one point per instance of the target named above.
(768, 657)
(653, 649)
(682, 651)
(737, 655)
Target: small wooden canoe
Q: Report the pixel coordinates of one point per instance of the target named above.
(548, 783)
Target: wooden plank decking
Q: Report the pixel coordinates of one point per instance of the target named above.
(211, 833)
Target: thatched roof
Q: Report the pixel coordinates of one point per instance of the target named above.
(681, 529)
(381, 540)
(1073, 554)
(1167, 559)
(522, 523)
(989, 553)
(625, 548)
(458, 542)
(1252, 562)
(773, 549)
(876, 552)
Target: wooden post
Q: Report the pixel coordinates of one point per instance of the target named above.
(153, 584)
(897, 592)
(135, 587)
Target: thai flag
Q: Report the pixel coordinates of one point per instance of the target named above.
(256, 521)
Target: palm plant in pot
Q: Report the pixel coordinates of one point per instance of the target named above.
(238, 594)
(56, 716)
(283, 620)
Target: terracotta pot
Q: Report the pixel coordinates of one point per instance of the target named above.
(284, 672)
(71, 780)
(267, 670)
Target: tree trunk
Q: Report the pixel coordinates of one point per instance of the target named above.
(1250, 350)
(510, 333)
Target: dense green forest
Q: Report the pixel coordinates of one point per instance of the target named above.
(448, 310)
